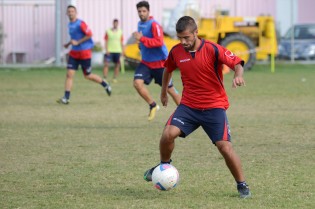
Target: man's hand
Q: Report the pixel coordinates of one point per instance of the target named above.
(238, 81)
(137, 35)
(164, 99)
(74, 42)
(66, 45)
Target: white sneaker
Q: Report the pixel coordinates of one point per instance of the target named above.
(63, 100)
(108, 90)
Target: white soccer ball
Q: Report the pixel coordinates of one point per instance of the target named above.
(165, 177)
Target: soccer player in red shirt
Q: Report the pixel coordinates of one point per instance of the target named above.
(80, 54)
(204, 100)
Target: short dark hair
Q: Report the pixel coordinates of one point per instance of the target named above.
(115, 20)
(143, 4)
(71, 6)
(186, 22)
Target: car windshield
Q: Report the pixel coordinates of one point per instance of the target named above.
(302, 32)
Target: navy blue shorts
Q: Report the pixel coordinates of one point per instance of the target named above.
(85, 65)
(146, 74)
(213, 121)
(114, 57)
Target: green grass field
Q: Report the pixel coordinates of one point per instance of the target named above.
(93, 152)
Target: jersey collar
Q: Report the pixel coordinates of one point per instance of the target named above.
(201, 45)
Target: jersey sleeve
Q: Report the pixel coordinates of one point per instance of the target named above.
(106, 36)
(170, 63)
(157, 40)
(228, 58)
(85, 28)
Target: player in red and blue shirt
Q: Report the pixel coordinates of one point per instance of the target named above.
(80, 54)
(154, 54)
(204, 100)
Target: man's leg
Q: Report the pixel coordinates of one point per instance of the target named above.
(106, 65)
(87, 71)
(167, 144)
(93, 77)
(233, 162)
(72, 66)
(68, 86)
(142, 90)
(144, 93)
(116, 72)
(116, 60)
(69, 79)
(98, 79)
(143, 76)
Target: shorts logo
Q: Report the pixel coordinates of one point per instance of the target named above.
(229, 54)
(138, 74)
(88, 70)
(229, 130)
(178, 120)
(185, 60)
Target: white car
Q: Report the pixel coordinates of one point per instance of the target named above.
(304, 43)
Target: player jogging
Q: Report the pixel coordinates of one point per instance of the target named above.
(114, 49)
(80, 54)
(154, 54)
(204, 101)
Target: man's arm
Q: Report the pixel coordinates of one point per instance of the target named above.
(155, 41)
(66, 45)
(88, 34)
(122, 45)
(165, 81)
(238, 79)
(106, 43)
(85, 38)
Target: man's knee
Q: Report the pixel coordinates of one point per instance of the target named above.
(88, 76)
(170, 133)
(138, 84)
(70, 74)
(224, 147)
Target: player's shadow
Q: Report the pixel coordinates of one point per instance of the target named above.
(132, 193)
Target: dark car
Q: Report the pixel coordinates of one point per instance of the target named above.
(304, 43)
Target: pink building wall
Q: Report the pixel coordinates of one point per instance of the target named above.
(306, 11)
(30, 26)
(99, 16)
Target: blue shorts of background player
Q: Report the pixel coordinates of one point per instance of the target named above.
(213, 121)
(146, 74)
(112, 57)
(85, 65)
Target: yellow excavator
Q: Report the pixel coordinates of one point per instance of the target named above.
(249, 38)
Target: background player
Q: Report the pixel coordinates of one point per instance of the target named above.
(204, 100)
(114, 48)
(154, 54)
(80, 54)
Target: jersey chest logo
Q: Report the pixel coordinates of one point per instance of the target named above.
(184, 60)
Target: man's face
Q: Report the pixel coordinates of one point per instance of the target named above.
(72, 13)
(143, 14)
(188, 39)
(115, 24)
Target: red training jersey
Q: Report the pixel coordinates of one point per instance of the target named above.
(202, 75)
